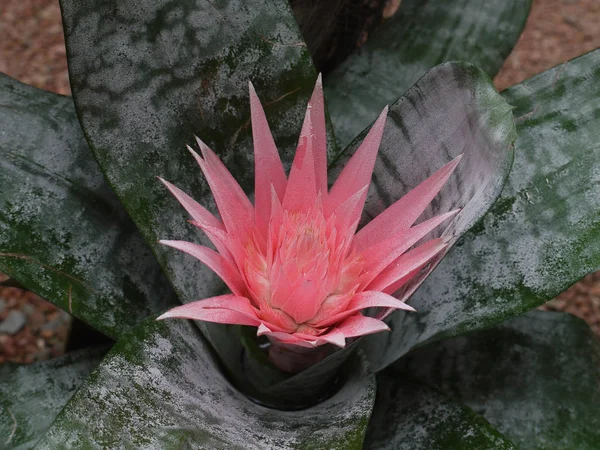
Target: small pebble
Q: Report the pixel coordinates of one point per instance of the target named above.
(13, 322)
(46, 334)
(36, 320)
(28, 309)
(53, 324)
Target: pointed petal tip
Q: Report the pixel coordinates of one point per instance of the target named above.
(339, 344)
(172, 314)
(320, 79)
(192, 151)
(408, 308)
(451, 166)
(381, 120)
(163, 316)
(199, 159)
(253, 95)
(172, 243)
(448, 215)
(166, 183)
(383, 114)
(360, 325)
(202, 145)
(262, 329)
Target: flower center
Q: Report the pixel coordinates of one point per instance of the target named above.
(304, 265)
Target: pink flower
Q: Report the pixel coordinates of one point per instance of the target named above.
(295, 267)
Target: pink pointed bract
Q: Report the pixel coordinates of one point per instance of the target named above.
(295, 266)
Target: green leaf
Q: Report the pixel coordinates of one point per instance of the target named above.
(32, 395)
(147, 76)
(166, 391)
(453, 110)
(419, 36)
(536, 378)
(63, 233)
(413, 416)
(543, 234)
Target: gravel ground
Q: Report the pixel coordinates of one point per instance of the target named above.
(32, 50)
(556, 31)
(31, 329)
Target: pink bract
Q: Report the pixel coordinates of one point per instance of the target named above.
(295, 266)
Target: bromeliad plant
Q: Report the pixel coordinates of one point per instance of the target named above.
(301, 265)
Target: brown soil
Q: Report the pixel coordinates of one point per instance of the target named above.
(32, 50)
(556, 31)
(44, 333)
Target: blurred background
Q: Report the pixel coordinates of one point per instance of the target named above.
(32, 50)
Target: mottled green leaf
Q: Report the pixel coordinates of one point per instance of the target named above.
(147, 76)
(453, 110)
(32, 395)
(542, 235)
(536, 378)
(419, 36)
(160, 388)
(63, 233)
(413, 416)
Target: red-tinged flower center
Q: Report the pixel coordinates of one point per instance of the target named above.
(305, 264)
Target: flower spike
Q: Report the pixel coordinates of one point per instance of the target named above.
(296, 269)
